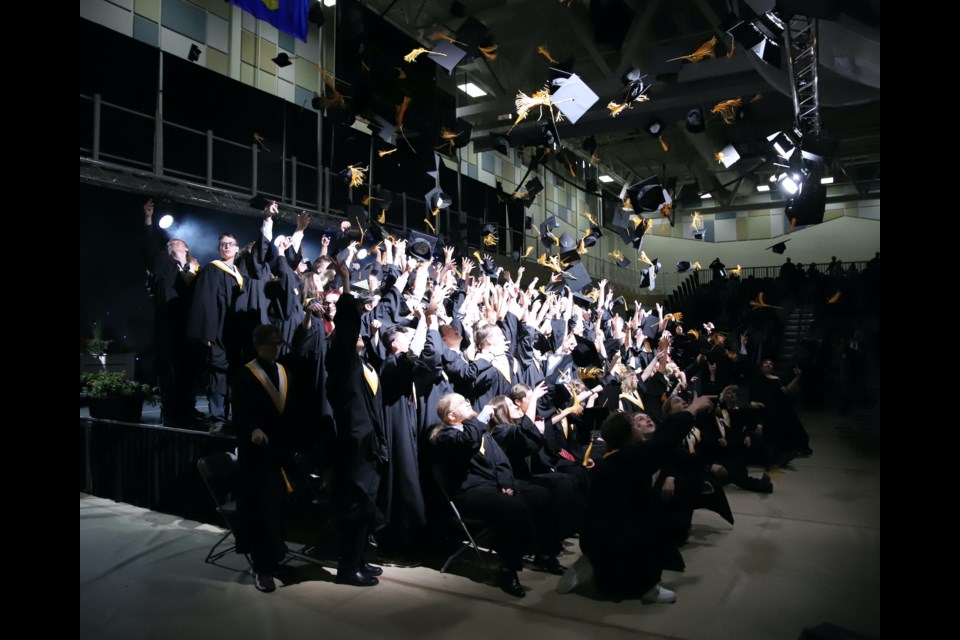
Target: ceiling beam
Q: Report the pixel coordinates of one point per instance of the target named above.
(636, 35)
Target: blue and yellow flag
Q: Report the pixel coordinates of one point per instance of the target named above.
(289, 16)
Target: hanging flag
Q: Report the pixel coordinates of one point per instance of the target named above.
(289, 16)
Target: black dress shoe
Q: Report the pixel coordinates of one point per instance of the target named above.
(265, 583)
(549, 564)
(357, 579)
(370, 570)
(510, 583)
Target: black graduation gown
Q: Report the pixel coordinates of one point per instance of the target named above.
(401, 498)
(627, 543)
(261, 490)
(358, 410)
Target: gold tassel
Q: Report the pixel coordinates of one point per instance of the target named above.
(435, 212)
(756, 98)
(416, 53)
(719, 157)
(436, 35)
(627, 204)
(666, 209)
(696, 266)
(592, 218)
(525, 103)
(286, 480)
(527, 253)
(727, 110)
(368, 199)
(735, 272)
(694, 333)
(678, 317)
(260, 140)
(362, 232)
(427, 220)
(643, 258)
(490, 53)
(490, 240)
(401, 112)
(706, 50)
(401, 74)
(580, 248)
(733, 48)
(616, 255)
(615, 108)
(382, 218)
(542, 50)
(542, 289)
(663, 144)
(387, 152)
(357, 175)
(835, 298)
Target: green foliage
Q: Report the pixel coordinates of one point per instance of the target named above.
(114, 384)
(96, 344)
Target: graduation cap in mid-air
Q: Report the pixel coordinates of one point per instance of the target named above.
(779, 248)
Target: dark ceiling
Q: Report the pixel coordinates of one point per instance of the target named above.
(610, 37)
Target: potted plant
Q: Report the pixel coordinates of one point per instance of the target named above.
(113, 396)
(96, 345)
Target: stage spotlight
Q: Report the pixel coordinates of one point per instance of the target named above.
(166, 221)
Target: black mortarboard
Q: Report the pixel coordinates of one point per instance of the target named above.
(385, 129)
(573, 98)
(558, 367)
(548, 133)
(779, 248)
(585, 354)
(283, 59)
(487, 265)
(683, 266)
(623, 262)
(649, 325)
(695, 121)
(533, 187)
(437, 199)
(576, 277)
(528, 222)
(421, 246)
(634, 85)
(194, 53)
(546, 232)
(259, 202)
(451, 58)
(648, 195)
(588, 241)
(583, 300)
(589, 144)
(567, 242)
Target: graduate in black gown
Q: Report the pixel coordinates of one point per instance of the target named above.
(264, 433)
(354, 390)
(171, 274)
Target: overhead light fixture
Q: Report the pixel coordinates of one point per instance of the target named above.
(706, 196)
(166, 221)
(789, 182)
(605, 178)
(763, 188)
(329, 3)
(826, 180)
(471, 90)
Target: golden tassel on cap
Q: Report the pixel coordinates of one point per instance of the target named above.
(490, 53)
(416, 53)
(727, 110)
(663, 144)
(542, 50)
(706, 50)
